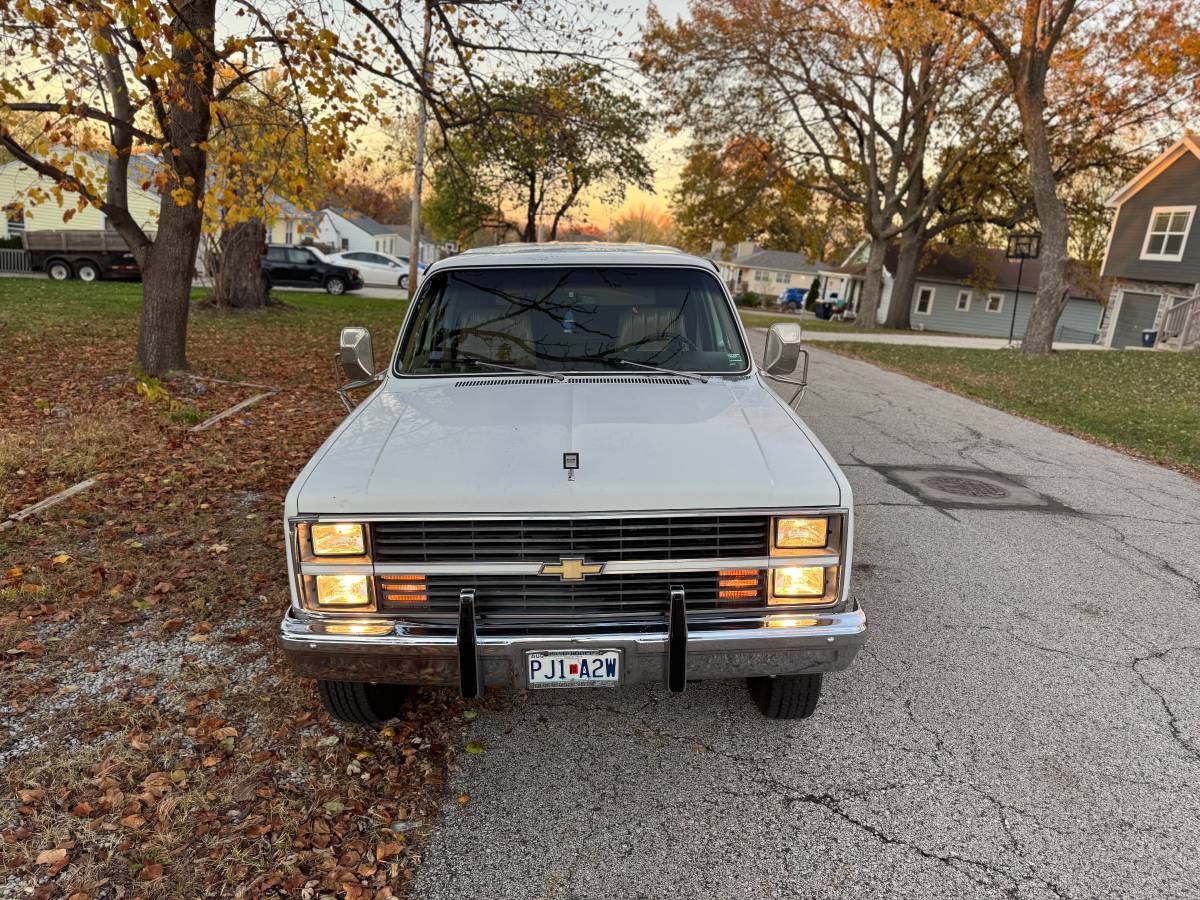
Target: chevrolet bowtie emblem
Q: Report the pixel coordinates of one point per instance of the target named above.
(571, 569)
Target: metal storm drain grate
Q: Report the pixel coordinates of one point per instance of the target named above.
(961, 486)
(954, 487)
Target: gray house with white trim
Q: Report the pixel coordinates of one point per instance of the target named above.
(1153, 253)
(975, 291)
(980, 292)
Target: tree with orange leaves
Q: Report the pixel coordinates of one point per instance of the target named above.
(879, 109)
(1088, 78)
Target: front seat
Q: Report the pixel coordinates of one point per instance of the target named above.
(492, 335)
(653, 328)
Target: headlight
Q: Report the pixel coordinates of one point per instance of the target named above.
(338, 539)
(343, 591)
(801, 534)
(806, 554)
(798, 581)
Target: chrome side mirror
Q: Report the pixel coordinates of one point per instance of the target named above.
(356, 354)
(354, 364)
(783, 354)
(783, 349)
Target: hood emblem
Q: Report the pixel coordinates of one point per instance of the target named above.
(571, 463)
(573, 569)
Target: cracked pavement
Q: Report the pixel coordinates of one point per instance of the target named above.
(1024, 722)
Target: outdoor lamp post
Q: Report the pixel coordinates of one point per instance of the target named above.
(1021, 247)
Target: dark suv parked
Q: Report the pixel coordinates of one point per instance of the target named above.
(301, 267)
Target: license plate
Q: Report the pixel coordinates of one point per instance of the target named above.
(572, 668)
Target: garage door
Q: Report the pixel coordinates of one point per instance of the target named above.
(1137, 312)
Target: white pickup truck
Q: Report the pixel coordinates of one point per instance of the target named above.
(570, 473)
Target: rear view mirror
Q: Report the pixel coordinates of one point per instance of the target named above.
(783, 349)
(356, 354)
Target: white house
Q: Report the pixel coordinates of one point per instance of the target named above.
(348, 229)
(17, 179)
(750, 268)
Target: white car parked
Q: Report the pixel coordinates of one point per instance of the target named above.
(381, 269)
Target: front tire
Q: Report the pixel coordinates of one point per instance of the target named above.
(87, 271)
(58, 271)
(335, 286)
(786, 696)
(404, 282)
(360, 702)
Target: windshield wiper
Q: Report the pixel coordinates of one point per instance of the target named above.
(557, 376)
(703, 379)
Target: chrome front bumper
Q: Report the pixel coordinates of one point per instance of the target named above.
(813, 642)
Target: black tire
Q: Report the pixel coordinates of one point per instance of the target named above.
(792, 307)
(58, 270)
(404, 282)
(360, 702)
(87, 271)
(786, 696)
(335, 285)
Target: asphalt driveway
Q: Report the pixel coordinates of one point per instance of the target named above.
(1025, 721)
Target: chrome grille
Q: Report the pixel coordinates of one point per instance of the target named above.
(528, 599)
(546, 540)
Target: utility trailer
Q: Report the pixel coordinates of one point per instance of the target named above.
(86, 255)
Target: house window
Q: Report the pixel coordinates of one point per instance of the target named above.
(760, 275)
(289, 232)
(963, 303)
(1168, 232)
(924, 301)
(995, 303)
(345, 243)
(781, 277)
(15, 213)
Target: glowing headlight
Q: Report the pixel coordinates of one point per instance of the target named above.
(343, 590)
(796, 534)
(798, 581)
(338, 539)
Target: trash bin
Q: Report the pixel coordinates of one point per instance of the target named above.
(821, 310)
(1149, 337)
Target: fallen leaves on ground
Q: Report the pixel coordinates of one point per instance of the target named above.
(154, 742)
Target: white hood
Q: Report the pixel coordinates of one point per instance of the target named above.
(438, 445)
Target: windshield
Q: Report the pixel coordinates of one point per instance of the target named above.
(562, 319)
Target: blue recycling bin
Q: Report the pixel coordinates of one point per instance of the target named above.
(1149, 337)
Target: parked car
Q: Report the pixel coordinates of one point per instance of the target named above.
(792, 299)
(379, 268)
(86, 255)
(303, 267)
(571, 472)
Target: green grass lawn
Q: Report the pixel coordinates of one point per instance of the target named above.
(107, 313)
(1147, 403)
(753, 318)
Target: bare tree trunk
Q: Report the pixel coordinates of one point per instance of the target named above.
(868, 309)
(170, 261)
(1054, 281)
(912, 244)
(239, 280)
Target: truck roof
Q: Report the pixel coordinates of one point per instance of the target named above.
(584, 253)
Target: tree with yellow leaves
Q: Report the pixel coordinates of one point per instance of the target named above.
(112, 81)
